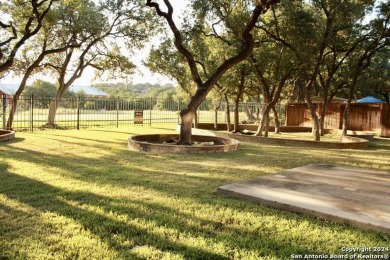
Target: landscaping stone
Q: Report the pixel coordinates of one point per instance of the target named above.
(6, 135)
(164, 144)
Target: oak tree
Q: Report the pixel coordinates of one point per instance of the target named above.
(219, 14)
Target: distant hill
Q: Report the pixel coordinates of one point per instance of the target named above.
(138, 90)
(144, 88)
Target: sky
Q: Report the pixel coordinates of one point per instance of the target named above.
(142, 74)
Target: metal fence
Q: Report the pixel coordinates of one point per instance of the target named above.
(83, 112)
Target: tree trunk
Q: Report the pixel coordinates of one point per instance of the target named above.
(52, 112)
(346, 118)
(263, 120)
(315, 119)
(325, 108)
(257, 108)
(12, 113)
(240, 92)
(249, 114)
(17, 96)
(346, 111)
(16, 99)
(187, 116)
(54, 104)
(23, 83)
(271, 102)
(228, 122)
(266, 128)
(276, 120)
(316, 123)
(316, 130)
(236, 118)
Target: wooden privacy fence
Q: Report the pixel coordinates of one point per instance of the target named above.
(362, 117)
(385, 120)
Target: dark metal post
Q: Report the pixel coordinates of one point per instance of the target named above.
(4, 110)
(32, 112)
(150, 112)
(216, 118)
(117, 112)
(178, 111)
(78, 113)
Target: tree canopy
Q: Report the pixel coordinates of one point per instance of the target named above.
(20, 21)
(236, 50)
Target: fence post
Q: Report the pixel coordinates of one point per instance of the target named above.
(150, 112)
(216, 118)
(117, 112)
(78, 113)
(32, 112)
(4, 109)
(178, 111)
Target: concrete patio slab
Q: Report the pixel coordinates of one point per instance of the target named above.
(352, 196)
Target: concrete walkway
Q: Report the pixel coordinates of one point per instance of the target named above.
(357, 197)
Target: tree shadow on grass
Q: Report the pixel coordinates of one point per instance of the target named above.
(46, 198)
(105, 130)
(12, 141)
(380, 143)
(156, 173)
(83, 140)
(77, 205)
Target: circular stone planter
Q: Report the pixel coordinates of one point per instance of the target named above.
(347, 142)
(6, 135)
(166, 143)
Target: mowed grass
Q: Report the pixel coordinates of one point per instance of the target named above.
(333, 136)
(83, 195)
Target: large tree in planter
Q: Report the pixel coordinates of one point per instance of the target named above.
(219, 13)
(166, 60)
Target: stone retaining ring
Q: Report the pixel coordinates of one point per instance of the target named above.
(6, 135)
(166, 143)
(347, 142)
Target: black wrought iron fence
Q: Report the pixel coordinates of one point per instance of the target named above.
(82, 112)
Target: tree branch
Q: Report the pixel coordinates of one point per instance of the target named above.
(216, 35)
(178, 39)
(28, 32)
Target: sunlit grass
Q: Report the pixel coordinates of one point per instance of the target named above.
(83, 194)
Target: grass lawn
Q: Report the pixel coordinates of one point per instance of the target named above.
(83, 195)
(333, 136)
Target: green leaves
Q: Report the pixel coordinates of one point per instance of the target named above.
(20, 21)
